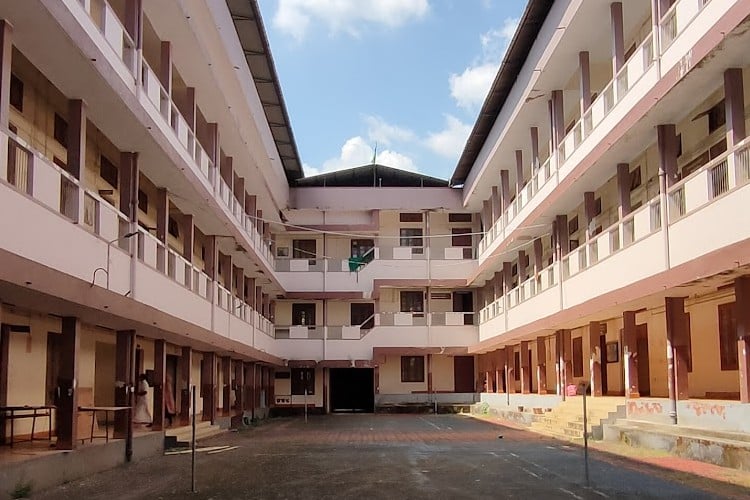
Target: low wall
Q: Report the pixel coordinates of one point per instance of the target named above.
(515, 401)
(55, 468)
(710, 414)
(424, 398)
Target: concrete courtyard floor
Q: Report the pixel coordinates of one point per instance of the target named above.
(393, 456)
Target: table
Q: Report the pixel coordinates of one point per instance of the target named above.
(11, 413)
(106, 410)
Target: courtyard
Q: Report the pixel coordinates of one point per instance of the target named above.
(390, 456)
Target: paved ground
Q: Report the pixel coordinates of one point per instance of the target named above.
(390, 456)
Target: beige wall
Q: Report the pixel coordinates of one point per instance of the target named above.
(442, 376)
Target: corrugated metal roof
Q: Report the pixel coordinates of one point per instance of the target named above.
(372, 175)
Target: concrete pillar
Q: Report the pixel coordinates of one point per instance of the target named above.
(563, 239)
(496, 204)
(505, 189)
(213, 151)
(239, 387)
(250, 295)
(510, 376)
(165, 67)
(584, 69)
(187, 229)
(253, 389)
(558, 118)
(226, 385)
(541, 365)
(595, 359)
(266, 305)
(535, 163)
(208, 391)
(160, 374)
(211, 258)
(623, 188)
(429, 374)
(6, 53)
(522, 274)
(497, 286)
(226, 170)
(678, 344)
(618, 39)
(560, 372)
(589, 205)
(538, 255)
(134, 21)
(67, 383)
(519, 171)
(251, 203)
(259, 300)
(76, 138)
(734, 95)
(162, 228)
(507, 277)
(486, 215)
(4, 362)
(239, 192)
(630, 350)
(129, 185)
(125, 383)
(742, 316)
(185, 384)
(666, 139)
(500, 380)
(525, 368)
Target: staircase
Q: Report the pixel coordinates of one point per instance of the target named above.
(181, 436)
(565, 421)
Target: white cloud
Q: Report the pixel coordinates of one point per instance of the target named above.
(450, 141)
(356, 152)
(470, 87)
(384, 133)
(349, 16)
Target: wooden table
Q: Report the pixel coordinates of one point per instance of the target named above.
(106, 410)
(12, 413)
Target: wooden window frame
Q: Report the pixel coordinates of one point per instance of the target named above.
(412, 369)
(302, 378)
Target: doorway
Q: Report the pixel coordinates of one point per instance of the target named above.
(464, 302)
(361, 249)
(463, 374)
(644, 380)
(352, 390)
(604, 362)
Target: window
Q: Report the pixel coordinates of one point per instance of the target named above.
(516, 366)
(410, 217)
(142, 201)
(362, 314)
(461, 237)
(679, 145)
(728, 337)
(459, 218)
(303, 379)
(303, 314)
(578, 357)
(173, 227)
(573, 225)
(304, 249)
(412, 368)
(597, 206)
(16, 92)
(412, 302)
(635, 178)
(61, 131)
(282, 375)
(717, 117)
(411, 237)
(108, 171)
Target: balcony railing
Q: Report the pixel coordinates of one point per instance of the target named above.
(110, 26)
(677, 18)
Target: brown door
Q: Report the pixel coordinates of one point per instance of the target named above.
(644, 383)
(603, 357)
(463, 373)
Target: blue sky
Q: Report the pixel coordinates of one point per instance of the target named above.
(407, 75)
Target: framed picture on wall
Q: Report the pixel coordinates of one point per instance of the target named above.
(613, 352)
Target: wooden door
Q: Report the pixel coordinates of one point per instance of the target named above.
(603, 357)
(463, 374)
(644, 381)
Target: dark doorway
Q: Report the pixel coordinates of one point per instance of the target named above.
(304, 249)
(644, 380)
(604, 362)
(362, 314)
(352, 390)
(171, 371)
(361, 249)
(303, 314)
(463, 374)
(464, 302)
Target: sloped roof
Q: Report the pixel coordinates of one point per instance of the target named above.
(515, 57)
(252, 35)
(372, 175)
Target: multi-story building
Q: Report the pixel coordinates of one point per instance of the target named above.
(155, 220)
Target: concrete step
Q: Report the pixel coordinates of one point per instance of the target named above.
(679, 430)
(203, 430)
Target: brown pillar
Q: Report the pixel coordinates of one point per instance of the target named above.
(505, 189)
(129, 185)
(486, 215)
(618, 40)
(429, 374)
(4, 360)
(271, 386)
(226, 385)
(510, 376)
(239, 191)
(76, 138)
(211, 258)
(585, 81)
(623, 188)
(259, 300)
(185, 366)
(538, 254)
(499, 356)
(376, 379)
(563, 239)
(6, 53)
(187, 228)
(734, 95)
(227, 172)
(525, 368)
(507, 277)
(678, 342)
(630, 349)
(666, 139)
(165, 67)
(266, 305)
(239, 387)
(496, 207)
(160, 373)
(595, 360)
(259, 222)
(67, 402)
(162, 226)
(125, 383)
(250, 206)
(535, 163)
(558, 118)
(250, 293)
(208, 391)
(541, 365)
(134, 21)
(589, 205)
(742, 315)
(522, 264)
(497, 287)
(252, 399)
(519, 171)
(562, 356)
